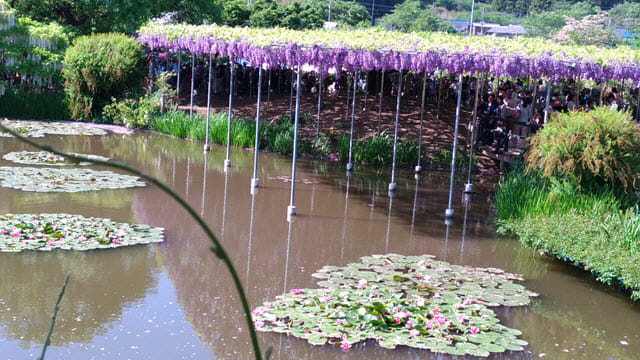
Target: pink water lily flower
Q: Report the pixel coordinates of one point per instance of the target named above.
(3, 231)
(474, 330)
(296, 291)
(16, 234)
(345, 346)
(414, 332)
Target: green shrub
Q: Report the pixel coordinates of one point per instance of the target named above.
(592, 149)
(132, 113)
(47, 105)
(99, 68)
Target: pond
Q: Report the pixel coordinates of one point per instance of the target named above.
(175, 300)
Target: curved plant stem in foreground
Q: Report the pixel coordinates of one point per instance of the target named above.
(55, 314)
(216, 247)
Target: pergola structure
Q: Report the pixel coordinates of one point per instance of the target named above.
(380, 50)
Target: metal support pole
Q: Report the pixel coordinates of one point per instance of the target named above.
(206, 141)
(424, 90)
(546, 103)
(346, 113)
(178, 78)
(269, 90)
(255, 181)
(193, 74)
(319, 102)
(392, 185)
(353, 116)
(227, 161)
(380, 106)
(468, 187)
(449, 210)
(291, 210)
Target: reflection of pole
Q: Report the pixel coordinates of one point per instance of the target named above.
(386, 244)
(449, 211)
(353, 116)
(424, 90)
(464, 226)
(415, 203)
(188, 176)
(286, 266)
(344, 223)
(319, 102)
(206, 142)
(255, 181)
(447, 222)
(392, 185)
(253, 202)
(291, 210)
(173, 175)
(193, 74)
(224, 204)
(204, 184)
(227, 161)
(380, 105)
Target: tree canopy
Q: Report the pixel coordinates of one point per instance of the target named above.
(411, 16)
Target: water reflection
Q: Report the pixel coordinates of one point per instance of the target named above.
(341, 219)
(94, 299)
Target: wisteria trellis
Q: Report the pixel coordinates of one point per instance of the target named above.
(375, 49)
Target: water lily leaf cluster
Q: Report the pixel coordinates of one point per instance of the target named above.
(42, 128)
(413, 301)
(47, 158)
(64, 180)
(45, 232)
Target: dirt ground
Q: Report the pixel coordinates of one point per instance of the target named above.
(438, 128)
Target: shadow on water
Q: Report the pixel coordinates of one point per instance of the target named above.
(340, 218)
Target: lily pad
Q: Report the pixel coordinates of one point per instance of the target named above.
(42, 128)
(46, 232)
(398, 300)
(46, 158)
(64, 180)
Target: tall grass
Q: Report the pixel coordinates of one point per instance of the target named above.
(48, 105)
(522, 195)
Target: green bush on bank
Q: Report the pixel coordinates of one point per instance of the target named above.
(576, 199)
(100, 68)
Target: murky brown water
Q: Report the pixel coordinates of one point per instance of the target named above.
(175, 300)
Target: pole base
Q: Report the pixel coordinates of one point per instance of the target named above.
(448, 221)
(448, 213)
(392, 187)
(391, 194)
(468, 188)
(417, 169)
(253, 190)
(207, 147)
(349, 166)
(255, 182)
(227, 163)
(291, 210)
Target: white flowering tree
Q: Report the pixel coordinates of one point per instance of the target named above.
(591, 30)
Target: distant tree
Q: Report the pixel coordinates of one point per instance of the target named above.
(548, 23)
(297, 16)
(447, 4)
(538, 6)
(626, 16)
(411, 16)
(236, 13)
(88, 16)
(191, 11)
(348, 13)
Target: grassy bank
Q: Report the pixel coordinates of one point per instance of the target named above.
(587, 230)
(576, 199)
(277, 136)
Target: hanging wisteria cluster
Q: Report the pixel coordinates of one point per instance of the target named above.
(375, 49)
